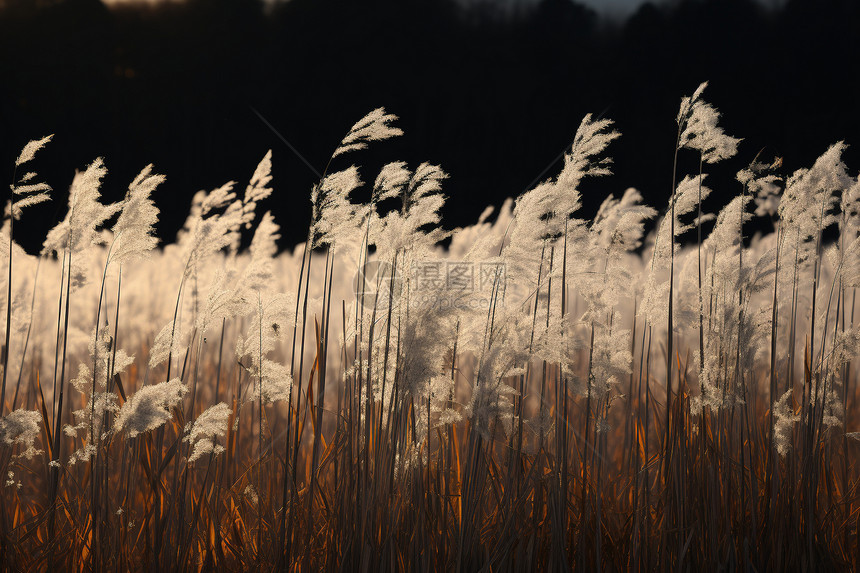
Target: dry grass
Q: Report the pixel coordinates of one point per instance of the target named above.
(352, 474)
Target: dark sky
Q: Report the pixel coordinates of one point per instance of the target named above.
(492, 97)
(611, 8)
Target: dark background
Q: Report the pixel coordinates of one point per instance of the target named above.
(492, 96)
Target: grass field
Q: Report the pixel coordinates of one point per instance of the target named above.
(650, 389)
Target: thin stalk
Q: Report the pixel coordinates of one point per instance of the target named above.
(8, 326)
(699, 275)
(27, 337)
(321, 369)
(670, 336)
(59, 417)
(297, 437)
(283, 553)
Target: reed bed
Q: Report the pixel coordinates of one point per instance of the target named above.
(643, 390)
